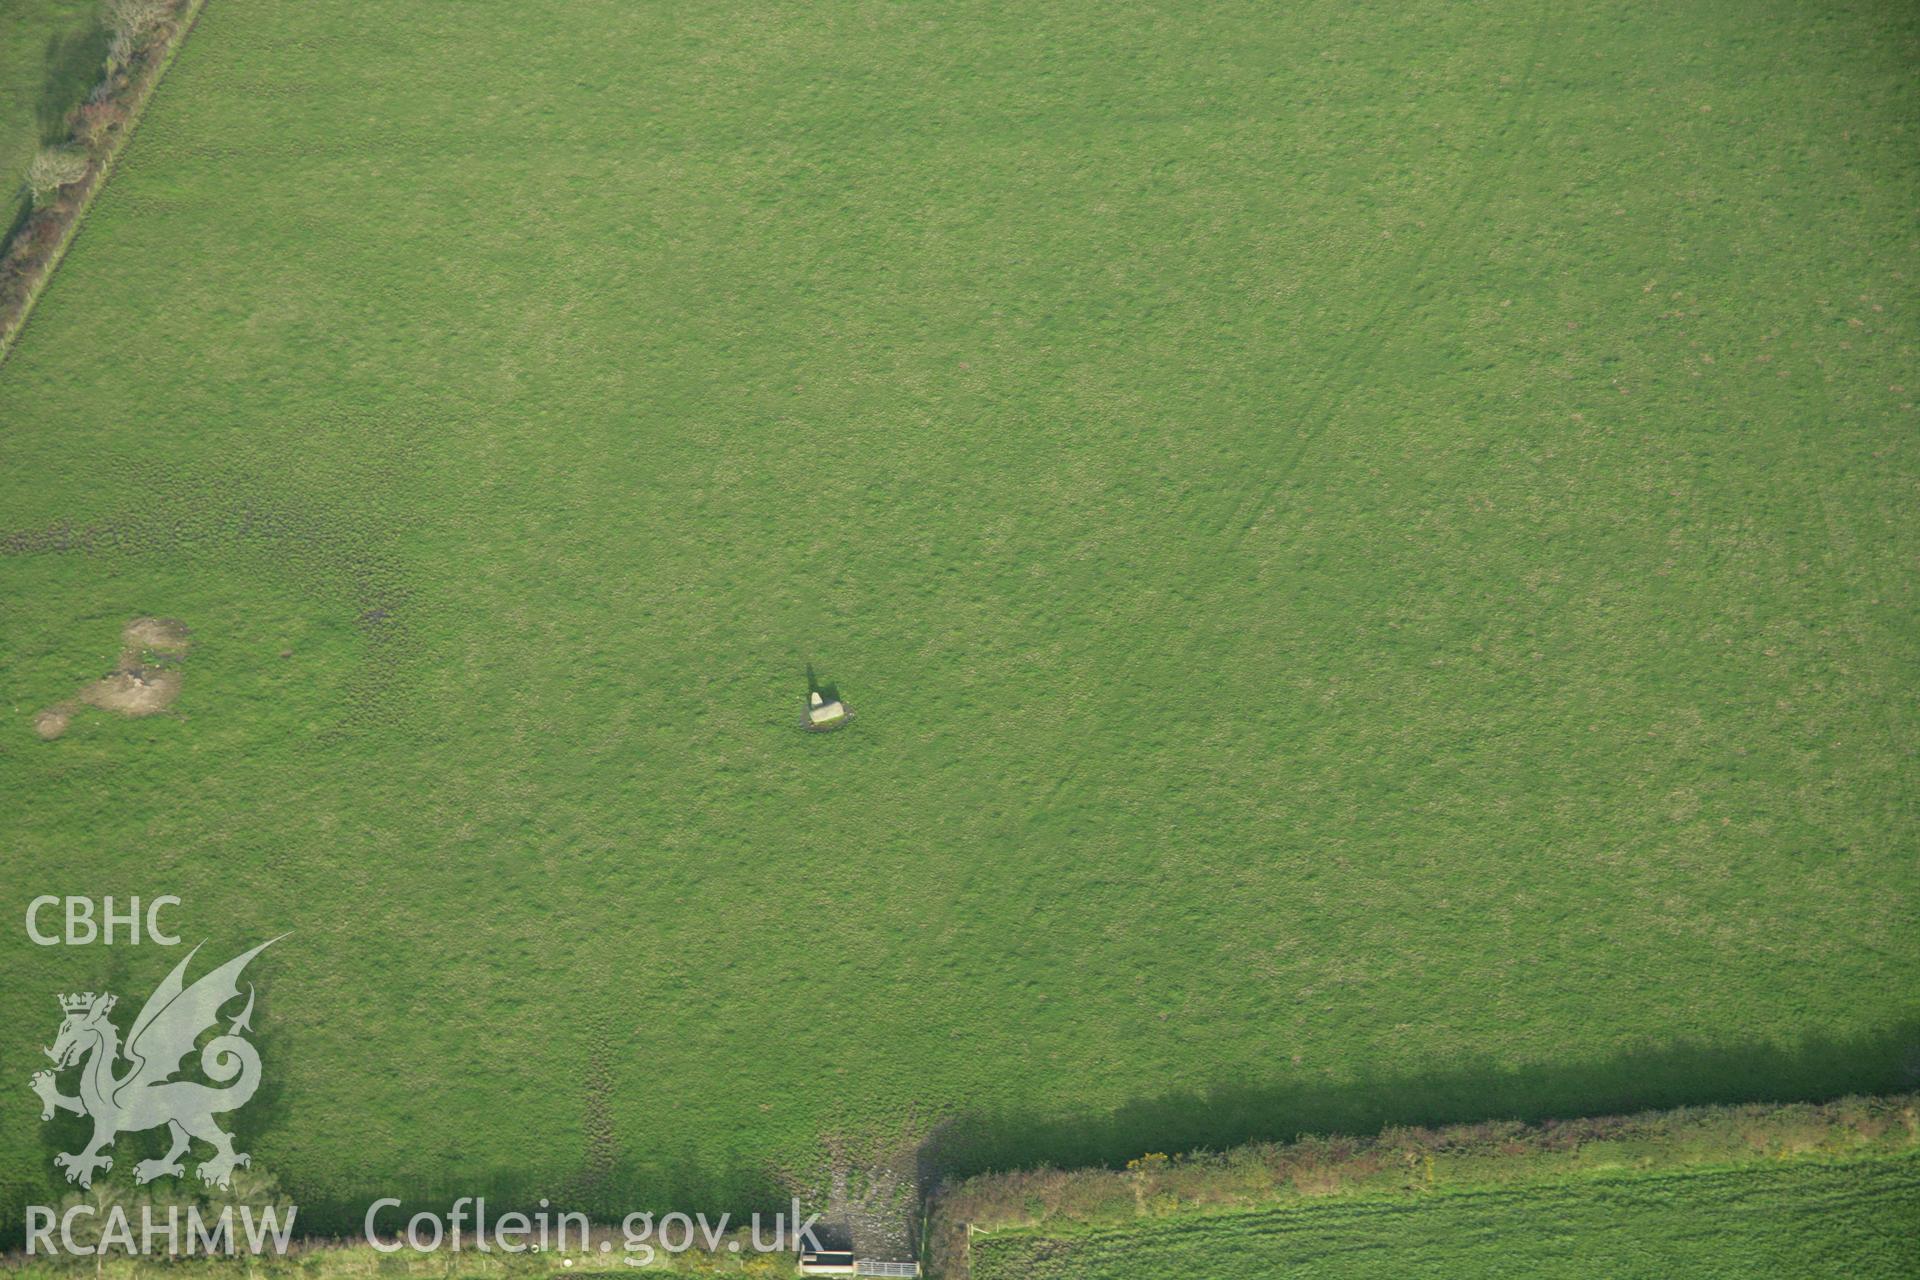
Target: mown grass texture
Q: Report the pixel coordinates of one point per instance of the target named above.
(1371, 551)
(1810, 1219)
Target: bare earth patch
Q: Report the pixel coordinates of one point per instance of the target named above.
(143, 683)
(141, 691)
(163, 636)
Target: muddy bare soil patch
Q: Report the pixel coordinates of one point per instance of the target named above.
(144, 681)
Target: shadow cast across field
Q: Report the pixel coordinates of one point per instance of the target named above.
(684, 1182)
(829, 691)
(262, 1113)
(73, 64)
(1678, 1074)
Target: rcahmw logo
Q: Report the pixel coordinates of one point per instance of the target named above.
(130, 1086)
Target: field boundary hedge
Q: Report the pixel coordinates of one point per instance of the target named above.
(1405, 1162)
(1397, 1164)
(98, 129)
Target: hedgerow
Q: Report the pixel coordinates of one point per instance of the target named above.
(1409, 1162)
(62, 179)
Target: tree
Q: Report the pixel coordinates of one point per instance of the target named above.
(52, 169)
(131, 22)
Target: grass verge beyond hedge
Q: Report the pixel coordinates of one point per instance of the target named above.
(1811, 1220)
(1158, 1192)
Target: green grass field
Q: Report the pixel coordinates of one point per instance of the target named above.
(1806, 1220)
(50, 53)
(1372, 553)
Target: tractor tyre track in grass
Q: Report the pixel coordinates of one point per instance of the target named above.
(1255, 498)
(1499, 154)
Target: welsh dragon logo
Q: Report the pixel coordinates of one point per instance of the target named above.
(144, 1095)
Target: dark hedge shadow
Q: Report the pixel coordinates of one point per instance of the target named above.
(1683, 1073)
(74, 65)
(681, 1182)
